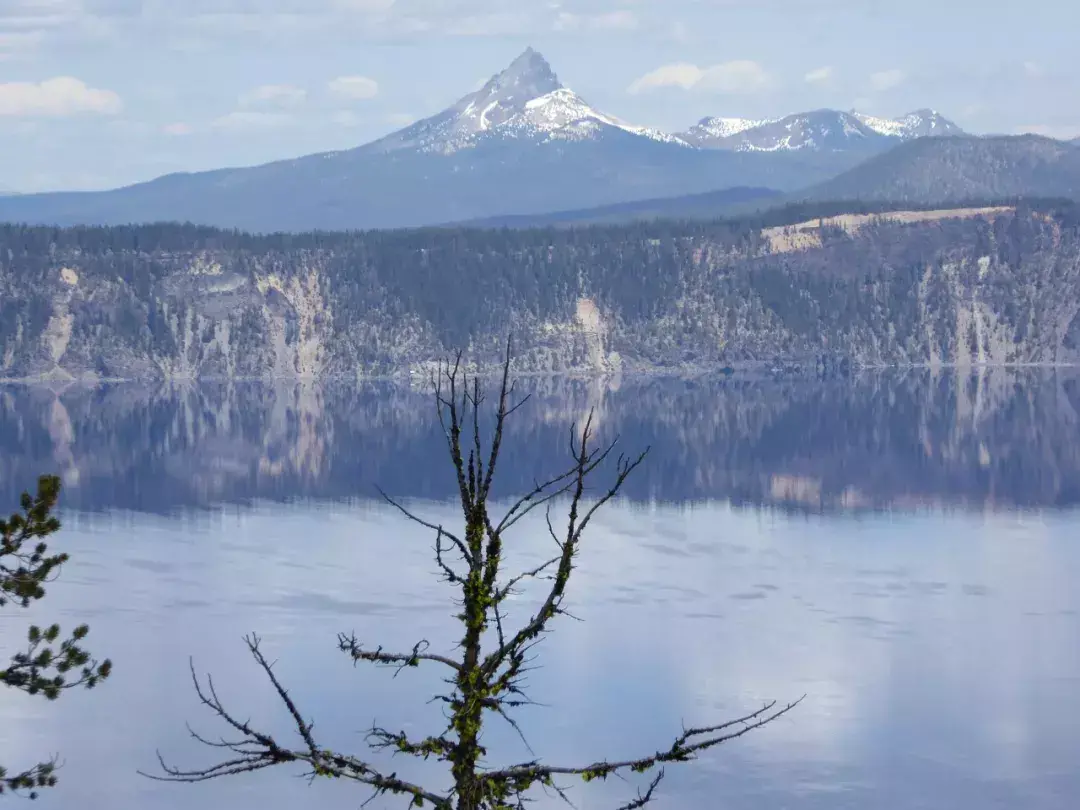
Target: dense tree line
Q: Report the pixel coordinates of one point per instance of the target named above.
(672, 292)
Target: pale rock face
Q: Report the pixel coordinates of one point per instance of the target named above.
(349, 307)
(592, 324)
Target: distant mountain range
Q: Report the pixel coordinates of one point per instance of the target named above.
(819, 130)
(924, 172)
(524, 145)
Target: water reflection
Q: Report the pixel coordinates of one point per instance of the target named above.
(938, 652)
(985, 440)
(937, 647)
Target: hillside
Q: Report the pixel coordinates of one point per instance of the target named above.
(935, 170)
(997, 286)
(710, 205)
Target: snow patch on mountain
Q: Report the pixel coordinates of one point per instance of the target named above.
(889, 127)
(526, 100)
(726, 127)
(917, 124)
(817, 130)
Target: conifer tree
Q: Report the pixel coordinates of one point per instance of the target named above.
(40, 667)
(485, 675)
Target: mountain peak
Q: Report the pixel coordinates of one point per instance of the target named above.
(817, 130)
(526, 99)
(529, 76)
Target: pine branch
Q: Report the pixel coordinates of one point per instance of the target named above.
(45, 670)
(27, 783)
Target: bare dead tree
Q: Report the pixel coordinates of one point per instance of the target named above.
(486, 675)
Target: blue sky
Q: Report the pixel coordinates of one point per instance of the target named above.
(99, 93)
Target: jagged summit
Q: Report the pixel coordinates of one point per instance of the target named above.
(526, 99)
(529, 75)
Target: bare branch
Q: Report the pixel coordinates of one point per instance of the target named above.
(686, 746)
(586, 462)
(352, 647)
(380, 739)
(453, 430)
(646, 797)
(505, 390)
(502, 593)
(427, 525)
(257, 750)
(303, 728)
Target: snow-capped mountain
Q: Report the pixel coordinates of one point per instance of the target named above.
(818, 130)
(917, 124)
(526, 100)
(522, 144)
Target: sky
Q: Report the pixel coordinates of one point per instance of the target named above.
(101, 93)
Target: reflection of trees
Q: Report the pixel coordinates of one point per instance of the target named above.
(996, 437)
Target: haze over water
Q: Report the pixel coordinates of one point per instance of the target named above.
(902, 548)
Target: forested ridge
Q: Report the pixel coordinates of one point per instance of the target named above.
(182, 300)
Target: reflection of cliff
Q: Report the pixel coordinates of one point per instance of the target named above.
(978, 439)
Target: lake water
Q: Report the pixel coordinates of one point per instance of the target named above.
(903, 549)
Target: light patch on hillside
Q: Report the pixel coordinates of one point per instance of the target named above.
(807, 235)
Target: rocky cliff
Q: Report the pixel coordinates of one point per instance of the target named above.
(995, 285)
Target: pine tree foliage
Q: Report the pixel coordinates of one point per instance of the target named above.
(486, 675)
(41, 667)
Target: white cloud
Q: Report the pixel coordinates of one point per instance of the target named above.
(821, 75)
(1033, 70)
(274, 95)
(241, 120)
(177, 128)
(887, 79)
(679, 74)
(56, 97)
(737, 77)
(353, 87)
(620, 20)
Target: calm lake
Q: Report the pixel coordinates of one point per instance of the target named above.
(903, 549)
